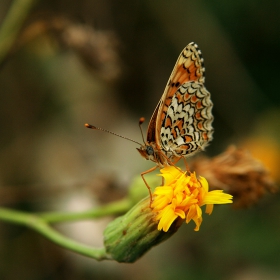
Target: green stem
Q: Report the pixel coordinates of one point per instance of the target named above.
(12, 25)
(113, 208)
(40, 225)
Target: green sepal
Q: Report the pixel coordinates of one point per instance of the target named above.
(130, 236)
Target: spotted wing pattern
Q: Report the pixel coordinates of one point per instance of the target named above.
(182, 122)
(189, 67)
(187, 124)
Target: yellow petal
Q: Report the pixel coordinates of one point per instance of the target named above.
(217, 197)
(209, 209)
(168, 217)
(204, 183)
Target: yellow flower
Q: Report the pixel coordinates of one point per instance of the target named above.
(182, 196)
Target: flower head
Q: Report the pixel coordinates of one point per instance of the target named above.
(182, 196)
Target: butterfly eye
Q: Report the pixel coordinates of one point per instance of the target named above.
(150, 150)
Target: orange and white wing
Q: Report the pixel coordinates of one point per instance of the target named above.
(187, 124)
(182, 121)
(189, 67)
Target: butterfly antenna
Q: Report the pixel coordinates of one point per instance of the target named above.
(101, 129)
(141, 120)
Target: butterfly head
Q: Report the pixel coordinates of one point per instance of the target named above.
(147, 152)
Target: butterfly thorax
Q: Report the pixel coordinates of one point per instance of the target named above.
(149, 151)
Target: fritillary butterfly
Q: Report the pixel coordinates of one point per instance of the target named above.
(181, 124)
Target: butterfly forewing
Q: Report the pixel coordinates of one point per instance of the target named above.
(189, 67)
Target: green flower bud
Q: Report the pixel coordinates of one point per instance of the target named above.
(130, 236)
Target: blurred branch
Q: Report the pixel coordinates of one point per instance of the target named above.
(98, 50)
(12, 25)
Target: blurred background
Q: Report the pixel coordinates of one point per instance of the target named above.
(107, 63)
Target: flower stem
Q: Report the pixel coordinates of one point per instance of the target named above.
(113, 208)
(39, 223)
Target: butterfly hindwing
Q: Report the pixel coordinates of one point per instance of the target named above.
(187, 126)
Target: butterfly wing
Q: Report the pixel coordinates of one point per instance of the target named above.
(187, 124)
(182, 121)
(189, 67)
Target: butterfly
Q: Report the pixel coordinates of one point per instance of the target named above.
(181, 124)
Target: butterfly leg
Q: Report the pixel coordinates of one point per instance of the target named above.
(147, 185)
(186, 164)
(176, 160)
